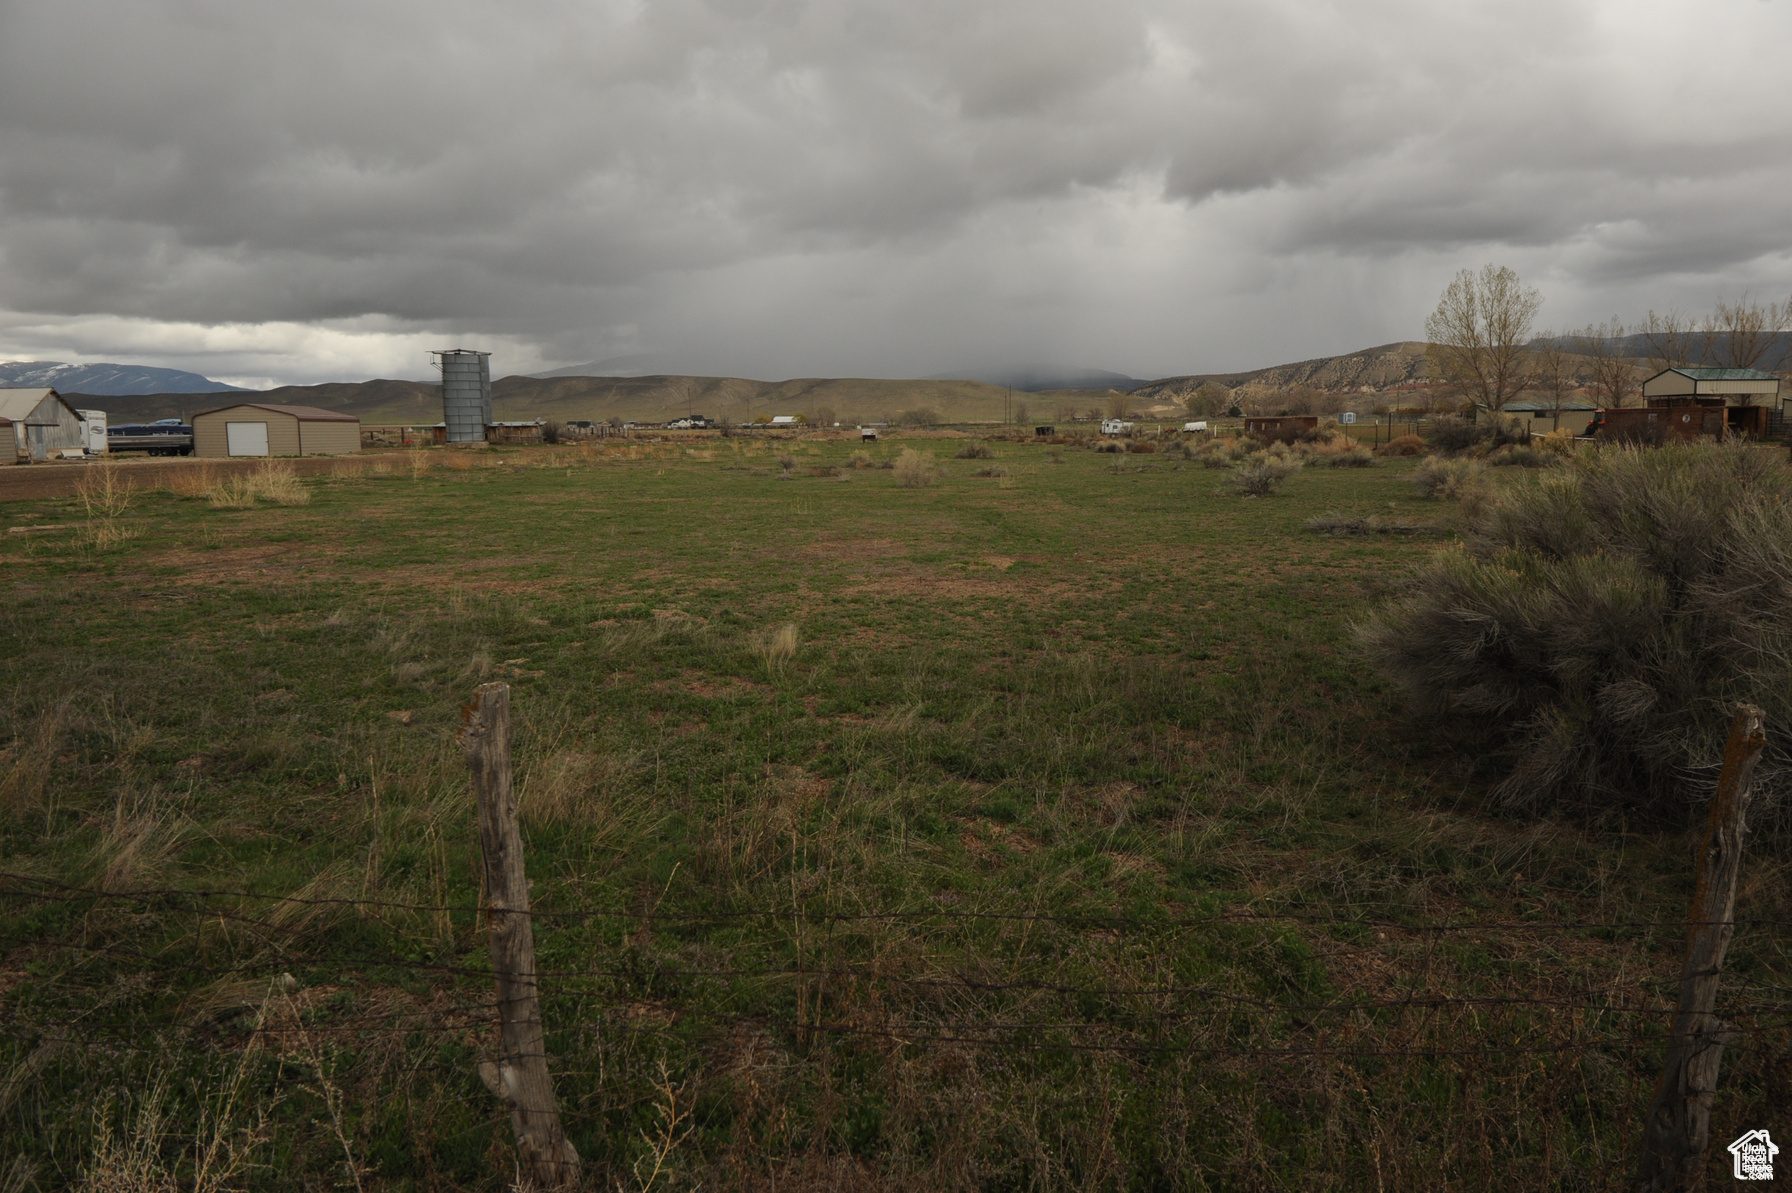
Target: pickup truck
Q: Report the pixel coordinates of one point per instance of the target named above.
(165, 437)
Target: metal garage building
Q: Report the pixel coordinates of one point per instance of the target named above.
(37, 423)
(261, 429)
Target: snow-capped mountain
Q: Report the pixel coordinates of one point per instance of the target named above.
(103, 379)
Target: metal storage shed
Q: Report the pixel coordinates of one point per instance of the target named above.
(1749, 386)
(39, 423)
(265, 429)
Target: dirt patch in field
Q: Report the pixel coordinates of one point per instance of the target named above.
(225, 565)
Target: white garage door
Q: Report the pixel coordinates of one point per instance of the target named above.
(247, 439)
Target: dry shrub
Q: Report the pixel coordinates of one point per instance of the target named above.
(975, 451)
(274, 481)
(1109, 445)
(1559, 442)
(280, 484)
(1513, 456)
(232, 493)
(420, 463)
(1260, 475)
(994, 470)
(1601, 623)
(787, 463)
(1449, 480)
(136, 847)
(1325, 441)
(776, 647)
(102, 534)
(104, 491)
(861, 460)
(1453, 433)
(1405, 445)
(915, 470)
(460, 461)
(1356, 457)
(28, 762)
(194, 481)
(1142, 447)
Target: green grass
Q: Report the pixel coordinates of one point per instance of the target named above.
(1043, 863)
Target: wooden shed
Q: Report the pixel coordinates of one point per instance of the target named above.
(266, 429)
(39, 424)
(1286, 428)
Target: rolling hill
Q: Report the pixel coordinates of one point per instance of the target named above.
(658, 398)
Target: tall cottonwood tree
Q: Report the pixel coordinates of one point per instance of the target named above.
(1478, 333)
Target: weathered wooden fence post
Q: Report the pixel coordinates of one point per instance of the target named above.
(520, 1077)
(1676, 1134)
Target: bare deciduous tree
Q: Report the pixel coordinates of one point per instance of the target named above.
(1746, 335)
(1672, 340)
(1478, 333)
(1118, 403)
(1614, 377)
(1552, 372)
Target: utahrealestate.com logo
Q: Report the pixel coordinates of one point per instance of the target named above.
(1753, 1156)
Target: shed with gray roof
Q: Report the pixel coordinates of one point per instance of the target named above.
(39, 422)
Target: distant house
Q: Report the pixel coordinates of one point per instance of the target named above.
(40, 424)
(784, 420)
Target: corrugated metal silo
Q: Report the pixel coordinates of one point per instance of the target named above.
(466, 394)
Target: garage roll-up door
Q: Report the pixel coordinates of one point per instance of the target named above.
(247, 439)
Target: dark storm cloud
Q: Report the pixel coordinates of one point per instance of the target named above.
(774, 187)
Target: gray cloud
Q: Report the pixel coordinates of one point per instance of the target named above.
(776, 188)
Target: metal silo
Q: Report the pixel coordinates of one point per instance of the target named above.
(466, 394)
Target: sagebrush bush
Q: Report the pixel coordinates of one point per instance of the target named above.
(975, 451)
(1405, 445)
(1142, 447)
(1260, 475)
(1109, 445)
(1356, 457)
(1525, 457)
(1599, 623)
(1453, 433)
(915, 470)
(1449, 480)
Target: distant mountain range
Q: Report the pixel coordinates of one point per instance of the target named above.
(1034, 380)
(106, 379)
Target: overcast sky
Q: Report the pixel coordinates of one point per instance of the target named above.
(291, 192)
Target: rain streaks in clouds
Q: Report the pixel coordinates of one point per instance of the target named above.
(314, 191)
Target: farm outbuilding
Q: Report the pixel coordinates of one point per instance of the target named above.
(1737, 387)
(265, 429)
(1285, 428)
(1543, 417)
(39, 423)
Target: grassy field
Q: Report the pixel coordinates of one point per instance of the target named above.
(1064, 844)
